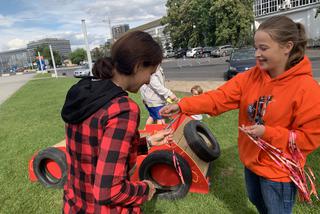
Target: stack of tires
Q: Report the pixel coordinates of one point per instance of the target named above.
(201, 141)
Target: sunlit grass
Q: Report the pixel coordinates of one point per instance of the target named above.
(30, 120)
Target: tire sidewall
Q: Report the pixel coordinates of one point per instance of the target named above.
(197, 144)
(57, 156)
(165, 157)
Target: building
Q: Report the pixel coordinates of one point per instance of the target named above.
(303, 11)
(62, 46)
(156, 30)
(119, 30)
(11, 60)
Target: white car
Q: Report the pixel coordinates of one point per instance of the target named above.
(192, 52)
(83, 72)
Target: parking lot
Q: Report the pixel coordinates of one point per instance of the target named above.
(201, 69)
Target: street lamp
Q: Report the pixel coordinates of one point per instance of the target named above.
(107, 20)
(84, 30)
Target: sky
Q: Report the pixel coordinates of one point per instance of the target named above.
(22, 21)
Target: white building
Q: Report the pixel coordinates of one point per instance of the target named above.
(307, 12)
(155, 29)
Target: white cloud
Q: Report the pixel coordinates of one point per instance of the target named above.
(62, 19)
(6, 21)
(16, 43)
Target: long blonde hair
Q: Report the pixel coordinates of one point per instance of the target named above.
(282, 30)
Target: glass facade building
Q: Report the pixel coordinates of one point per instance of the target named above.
(62, 46)
(11, 60)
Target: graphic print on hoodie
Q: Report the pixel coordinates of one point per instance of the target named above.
(257, 110)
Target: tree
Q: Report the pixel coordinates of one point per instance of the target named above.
(234, 21)
(192, 23)
(189, 23)
(101, 51)
(157, 39)
(45, 52)
(97, 53)
(78, 56)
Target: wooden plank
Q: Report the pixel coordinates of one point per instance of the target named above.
(60, 144)
(181, 141)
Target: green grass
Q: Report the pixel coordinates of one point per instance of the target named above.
(30, 120)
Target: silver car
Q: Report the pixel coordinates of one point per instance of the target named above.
(82, 72)
(222, 51)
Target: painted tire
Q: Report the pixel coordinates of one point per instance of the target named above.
(42, 166)
(201, 140)
(160, 163)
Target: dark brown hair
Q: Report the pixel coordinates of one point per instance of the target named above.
(133, 48)
(282, 30)
(197, 88)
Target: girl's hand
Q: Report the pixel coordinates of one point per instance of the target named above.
(161, 137)
(152, 189)
(255, 130)
(169, 110)
(174, 98)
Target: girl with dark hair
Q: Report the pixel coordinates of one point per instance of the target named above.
(102, 130)
(275, 98)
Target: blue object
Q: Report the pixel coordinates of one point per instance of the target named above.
(39, 65)
(270, 196)
(154, 112)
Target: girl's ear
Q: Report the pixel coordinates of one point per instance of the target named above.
(137, 67)
(288, 47)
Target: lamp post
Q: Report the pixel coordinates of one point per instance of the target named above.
(84, 31)
(53, 61)
(107, 20)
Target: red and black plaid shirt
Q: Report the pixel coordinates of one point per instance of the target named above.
(100, 152)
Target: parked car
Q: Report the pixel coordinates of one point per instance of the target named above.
(206, 51)
(180, 52)
(240, 61)
(21, 69)
(193, 52)
(168, 54)
(222, 51)
(82, 72)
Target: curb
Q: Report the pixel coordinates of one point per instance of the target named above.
(14, 74)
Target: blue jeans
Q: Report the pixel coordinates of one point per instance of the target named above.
(268, 196)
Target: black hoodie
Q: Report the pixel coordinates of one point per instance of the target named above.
(88, 96)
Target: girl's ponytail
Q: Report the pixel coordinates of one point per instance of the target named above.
(103, 67)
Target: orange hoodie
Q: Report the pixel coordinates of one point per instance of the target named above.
(295, 105)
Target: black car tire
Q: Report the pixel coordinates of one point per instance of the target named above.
(194, 131)
(166, 157)
(39, 168)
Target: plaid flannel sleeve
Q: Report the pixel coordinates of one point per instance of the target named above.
(112, 185)
(142, 146)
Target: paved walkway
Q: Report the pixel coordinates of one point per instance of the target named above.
(185, 86)
(9, 85)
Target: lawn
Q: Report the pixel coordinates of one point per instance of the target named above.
(30, 120)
